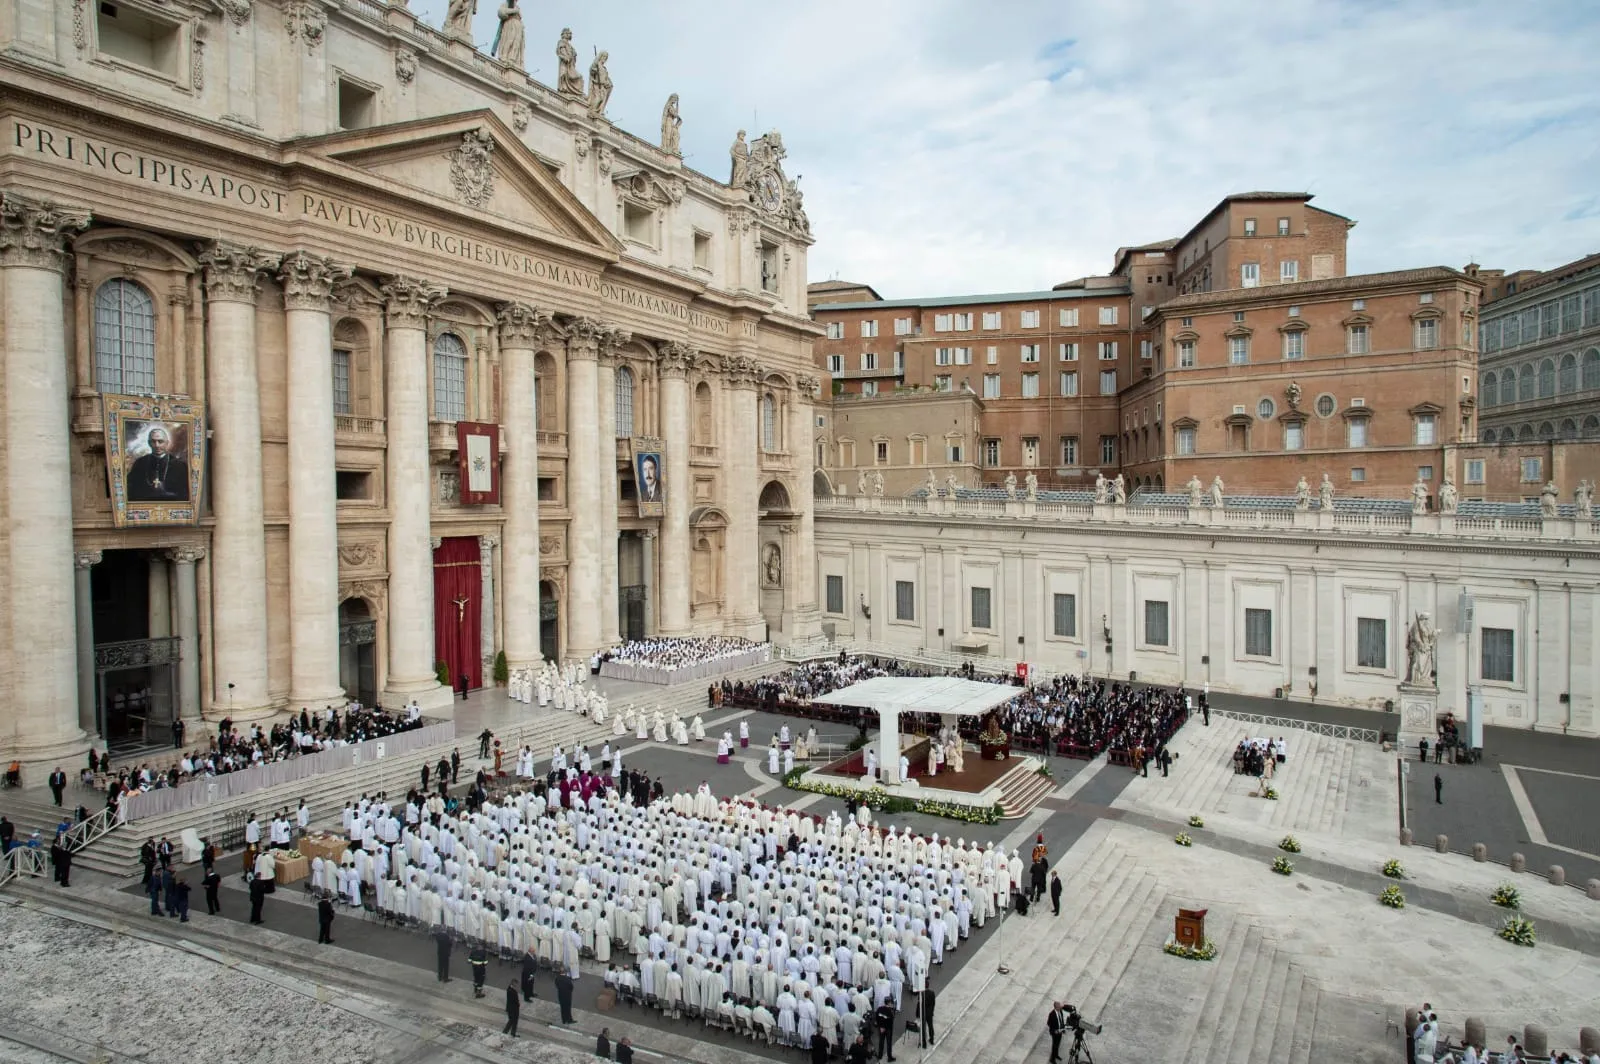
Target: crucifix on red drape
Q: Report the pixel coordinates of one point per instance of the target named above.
(457, 624)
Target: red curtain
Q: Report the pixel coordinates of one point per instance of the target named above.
(457, 609)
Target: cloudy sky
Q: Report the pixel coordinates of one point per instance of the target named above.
(1001, 145)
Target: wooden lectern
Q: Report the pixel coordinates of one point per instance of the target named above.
(1190, 928)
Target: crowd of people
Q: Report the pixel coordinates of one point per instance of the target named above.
(803, 929)
(671, 653)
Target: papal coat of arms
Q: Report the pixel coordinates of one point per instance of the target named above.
(471, 172)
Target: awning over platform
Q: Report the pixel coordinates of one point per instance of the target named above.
(923, 694)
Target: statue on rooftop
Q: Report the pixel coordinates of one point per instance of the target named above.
(1032, 485)
(1216, 492)
(1419, 498)
(877, 483)
(1102, 488)
(1448, 497)
(1195, 492)
(1583, 498)
(1325, 494)
(1119, 491)
(1302, 495)
(569, 82)
(509, 41)
(932, 485)
(1011, 485)
(950, 485)
(458, 19)
(1419, 651)
(671, 126)
(1547, 500)
(740, 154)
(599, 86)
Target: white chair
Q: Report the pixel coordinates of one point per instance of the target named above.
(192, 849)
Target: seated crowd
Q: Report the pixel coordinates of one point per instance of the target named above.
(756, 918)
(676, 653)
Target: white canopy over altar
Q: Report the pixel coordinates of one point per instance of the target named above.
(890, 696)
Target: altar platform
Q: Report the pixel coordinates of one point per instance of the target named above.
(979, 775)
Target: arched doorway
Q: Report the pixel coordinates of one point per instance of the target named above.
(776, 540)
(358, 651)
(549, 621)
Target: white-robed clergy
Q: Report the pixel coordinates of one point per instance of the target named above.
(697, 729)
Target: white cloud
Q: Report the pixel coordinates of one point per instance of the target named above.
(979, 147)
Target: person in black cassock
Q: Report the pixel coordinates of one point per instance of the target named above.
(441, 939)
(513, 1009)
(325, 921)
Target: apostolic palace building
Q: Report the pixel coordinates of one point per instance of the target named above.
(336, 349)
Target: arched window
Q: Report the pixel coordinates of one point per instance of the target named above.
(769, 423)
(1547, 378)
(1591, 426)
(624, 402)
(449, 378)
(1569, 374)
(1508, 387)
(1591, 369)
(1489, 387)
(544, 393)
(1526, 385)
(1488, 435)
(124, 339)
(1547, 431)
(1525, 432)
(1569, 429)
(704, 430)
(1506, 435)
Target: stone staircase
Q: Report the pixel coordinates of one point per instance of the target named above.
(1259, 1006)
(32, 811)
(1023, 788)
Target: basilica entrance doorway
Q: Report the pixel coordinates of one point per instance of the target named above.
(358, 651)
(135, 652)
(549, 622)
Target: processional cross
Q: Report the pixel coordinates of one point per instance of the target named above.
(461, 608)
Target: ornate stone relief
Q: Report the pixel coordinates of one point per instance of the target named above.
(187, 555)
(407, 301)
(549, 546)
(233, 272)
(405, 66)
(741, 370)
(308, 280)
(676, 360)
(583, 338)
(306, 21)
(449, 486)
(606, 158)
(359, 555)
(471, 172)
(521, 115)
(580, 143)
(80, 23)
(809, 386)
(197, 72)
(86, 559)
(238, 10)
(522, 325)
(32, 232)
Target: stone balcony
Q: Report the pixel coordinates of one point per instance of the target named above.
(352, 431)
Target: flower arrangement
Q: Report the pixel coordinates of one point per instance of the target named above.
(1044, 770)
(1283, 866)
(1182, 839)
(1392, 897)
(1290, 844)
(1517, 930)
(881, 801)
(1394, 869)
(1206, 951)
(1197, 821)
(1270, 795)
(1506, 896)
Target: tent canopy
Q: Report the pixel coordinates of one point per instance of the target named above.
(923, 694)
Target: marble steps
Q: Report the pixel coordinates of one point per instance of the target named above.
(1021, 790)
(1258, 1012)
(1298, 1048)
(1297, 987)
(1347, 785)
(1238, 951)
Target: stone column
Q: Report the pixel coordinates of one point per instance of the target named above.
(584, 472)
(606, 393)
(486, 644)
(159, 626)
(308, 282)
(42, 597)
(411, 644)
(647, 556)
(743, 614)
(523, 331)
(188, 603)
(238, 543)
(675, 363)
(83, 598)
(803, 570)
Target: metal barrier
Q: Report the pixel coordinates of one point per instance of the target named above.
(96, 827)
(22, 861)
(1334, 731)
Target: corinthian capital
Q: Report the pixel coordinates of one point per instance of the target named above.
(233, 272)
(612, 340)
(522, 325)
(308, 281)
(407, 301)
(741, 371)
(583, 339)
(676, 360)
(808, 385)
(33, 232)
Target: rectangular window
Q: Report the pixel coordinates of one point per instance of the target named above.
(1283, 227)
(963, 355)
(869, 360)
(1107, 350)
(835, 364)
(1499, 655)
(991, 385)
(952, 452)
(1258, 633)
(880, 452)
(1372, 643)
(1294, 436)
(1069, 450)
(942, 322)
(1068, 352)
(1146, 349)
(1250, 275)
(1108, 450)
(1108, 315)
(1474, 471)
(836, 330)
(1030, 451)
(943, 382)
(1030, 319)
(941, 356)
(1108, 382)
(350, 485)
(1357, 432)
(1427, 334)
(1249, 227)
(905, 600)
(1030, 386)
(702, 251)
(991, 356)
(1238, 350)
(835, 595)
(1550, 316)
(1294, 345)
(1358, 475)
(1186, 441)
(449, 386)
(869, 387)
(1186, 354)
(1289, 271)
(341, 382)
(869, 328)
(1064, 616)
(991, 319)
(1426, 424)
(899, 361)
(1155, 623)
(1532, 470)
(902, 326)
(1069, 384)
(991, 453)
(964, 322)
(1030, 352)
(1424, 472)
(1358, 340)
(980, 607)
(1069, 318)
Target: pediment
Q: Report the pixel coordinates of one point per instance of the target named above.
(473, 160)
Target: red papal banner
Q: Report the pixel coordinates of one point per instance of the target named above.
(478, 458)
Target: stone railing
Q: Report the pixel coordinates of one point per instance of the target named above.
(1230, 517)
(348, 425)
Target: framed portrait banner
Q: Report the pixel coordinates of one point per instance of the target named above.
(155, 459)
(649, 475)
(478, 459)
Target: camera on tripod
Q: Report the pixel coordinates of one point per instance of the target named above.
(1077, 1024)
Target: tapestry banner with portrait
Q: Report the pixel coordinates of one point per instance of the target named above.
(155, 459)
(649, 475)
(478, 460)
